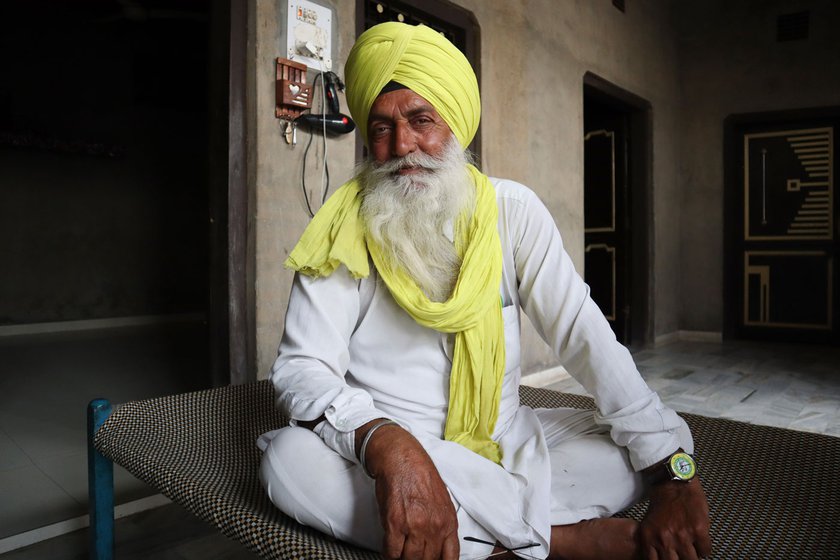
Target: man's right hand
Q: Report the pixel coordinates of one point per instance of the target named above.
(415, 508)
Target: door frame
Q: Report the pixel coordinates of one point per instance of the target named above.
(240, 260)
(640, 296)
(230, 316)
(733, 127)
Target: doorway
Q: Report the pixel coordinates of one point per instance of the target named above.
(110, 131)
(781, 211)
(616, 207)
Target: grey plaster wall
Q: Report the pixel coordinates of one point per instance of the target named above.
(279, 209)
(732, 64)
(534, 55)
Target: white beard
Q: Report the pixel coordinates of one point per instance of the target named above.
(408, 215)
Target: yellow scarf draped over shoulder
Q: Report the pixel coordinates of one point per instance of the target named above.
(431, 66)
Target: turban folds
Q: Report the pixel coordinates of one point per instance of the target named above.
(424, 61)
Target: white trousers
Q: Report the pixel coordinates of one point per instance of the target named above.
(591, 477)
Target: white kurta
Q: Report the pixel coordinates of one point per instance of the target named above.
(349, 352)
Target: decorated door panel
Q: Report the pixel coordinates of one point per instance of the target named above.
(786, 280)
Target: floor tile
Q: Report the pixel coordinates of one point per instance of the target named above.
(11, 455)
(46, 382)
(782, 385)
(44, 436)
(167, 532)
(70, 473)
(30, 500)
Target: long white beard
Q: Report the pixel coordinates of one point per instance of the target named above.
(409, 215)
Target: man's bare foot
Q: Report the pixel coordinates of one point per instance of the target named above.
(596, 539)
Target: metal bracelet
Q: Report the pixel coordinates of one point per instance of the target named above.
(367, 439)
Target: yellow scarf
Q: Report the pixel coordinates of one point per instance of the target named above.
(337, 235)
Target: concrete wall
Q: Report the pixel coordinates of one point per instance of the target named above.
(280, 213)
(539, 49)
(731, 64)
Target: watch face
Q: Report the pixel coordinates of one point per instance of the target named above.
(683, 466)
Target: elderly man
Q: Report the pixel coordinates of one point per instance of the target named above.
(399, 365)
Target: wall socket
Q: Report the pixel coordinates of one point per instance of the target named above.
(309, 34)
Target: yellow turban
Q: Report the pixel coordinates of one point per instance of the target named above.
(422, 60)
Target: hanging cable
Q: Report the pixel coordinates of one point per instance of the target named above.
(325, 173)
(303, 176)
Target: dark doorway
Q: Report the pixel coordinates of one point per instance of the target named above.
(113, 221)
(107, 124)
(615, 207)
(781, 209)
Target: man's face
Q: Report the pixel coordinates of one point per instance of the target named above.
(402, 122)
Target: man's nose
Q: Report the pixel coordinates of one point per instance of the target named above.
(404, 141)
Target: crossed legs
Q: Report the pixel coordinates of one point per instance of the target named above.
(591, 480)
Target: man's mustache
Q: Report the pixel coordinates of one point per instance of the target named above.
(416, 159)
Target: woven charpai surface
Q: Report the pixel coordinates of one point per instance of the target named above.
(199, 449)
(773, 493)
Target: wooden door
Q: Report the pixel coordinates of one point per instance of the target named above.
(785, 282)
(606, 213)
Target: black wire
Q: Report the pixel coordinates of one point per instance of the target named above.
(305, 153)
(303, 177)
(303, 169)
(324, 132)
(327, 188)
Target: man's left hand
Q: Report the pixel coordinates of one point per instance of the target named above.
(677, 522)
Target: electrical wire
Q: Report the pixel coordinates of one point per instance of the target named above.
(325, 174)
(303, 175)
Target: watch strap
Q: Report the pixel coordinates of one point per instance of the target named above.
(679, 466)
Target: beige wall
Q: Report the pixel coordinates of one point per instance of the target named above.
(732, 64)
(538, 141)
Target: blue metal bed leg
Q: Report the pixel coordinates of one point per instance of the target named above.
(100, 486)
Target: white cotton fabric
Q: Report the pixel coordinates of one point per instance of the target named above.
(349, 352)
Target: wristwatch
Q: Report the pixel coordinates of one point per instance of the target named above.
(680, 467)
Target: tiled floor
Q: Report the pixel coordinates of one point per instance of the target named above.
(164, 533)
(46, 382)
(784, 385)
(792, 386)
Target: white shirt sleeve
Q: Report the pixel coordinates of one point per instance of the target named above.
(309, 373)
(557, 302)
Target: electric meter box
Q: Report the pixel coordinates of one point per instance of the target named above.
(309, 34)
